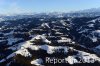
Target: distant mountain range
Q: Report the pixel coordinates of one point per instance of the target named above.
(80, 13)
(89, 10)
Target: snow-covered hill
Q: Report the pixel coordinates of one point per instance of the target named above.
(28, 40)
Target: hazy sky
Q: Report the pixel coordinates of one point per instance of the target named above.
(22, 6)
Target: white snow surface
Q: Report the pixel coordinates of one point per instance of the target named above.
(24, 52)
(41, 37)
(71, 60)
(45, 25)
(37, 62)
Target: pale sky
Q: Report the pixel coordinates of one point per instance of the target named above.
(28, 6)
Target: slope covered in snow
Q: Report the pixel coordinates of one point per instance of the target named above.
(29, 41)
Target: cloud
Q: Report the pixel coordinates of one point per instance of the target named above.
(13, 8)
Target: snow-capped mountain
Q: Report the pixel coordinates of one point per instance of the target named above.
(28, 39)
(90, 10)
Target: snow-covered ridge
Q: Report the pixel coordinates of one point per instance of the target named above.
(90, 28)
(30, 40)
(23, 51)
(1, 19)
